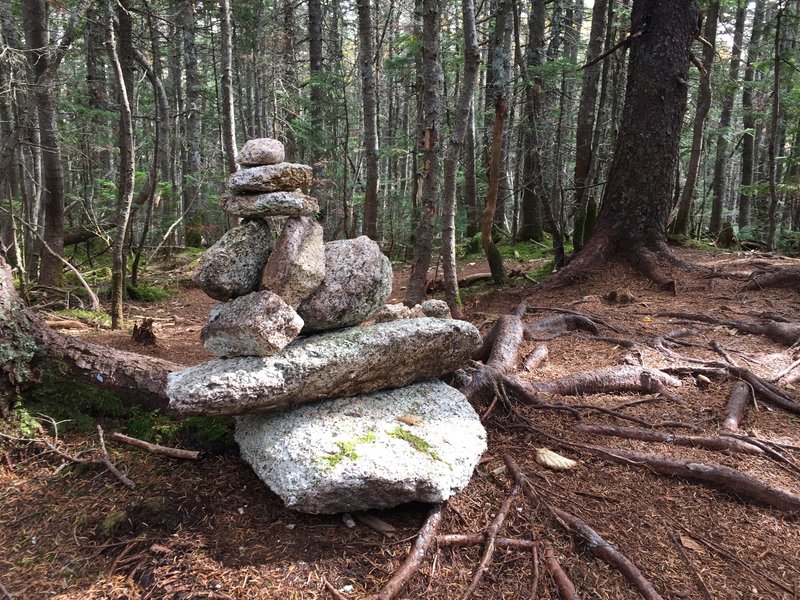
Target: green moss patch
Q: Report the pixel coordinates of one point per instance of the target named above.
(416, 442)
(347, 450)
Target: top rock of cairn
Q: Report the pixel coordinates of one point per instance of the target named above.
(261, 151)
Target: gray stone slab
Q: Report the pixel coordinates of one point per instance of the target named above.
(283, 177)
(276, 204)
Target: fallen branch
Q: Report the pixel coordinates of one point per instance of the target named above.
(566, 589)
(737, 403)
(785, 371)
(477, 539)
(700, 583)
(427, 534)
(491, 536)
(535, 358)
(605, 380)
(156, 448)
(725, 444)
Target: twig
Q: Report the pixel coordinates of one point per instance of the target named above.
(785, 371)
(334, 592)
(6, 593)
(724, 353)
(476, 539)
(427, 534)
(155, 448)
(106, 460)
(566, 589)
(491, 536)
(700, 583)
(535, 586)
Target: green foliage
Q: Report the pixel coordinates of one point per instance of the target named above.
(90, 317)
(147, 293)
(152, 426)
(23, 422)
(789, 243)
(213, 435)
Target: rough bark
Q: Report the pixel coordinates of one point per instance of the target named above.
(775, 134)
(226, 79)
(607, 380)
(191, 151)
(366, 59)
(737, 403)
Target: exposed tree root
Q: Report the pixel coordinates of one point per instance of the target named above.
(506, 346)
(558, 325)
(535, 359)
(426, 536)
(478, 539)
(698, 579)
(607, 380)
(777, 331)
(566, 589)
(783, 278)
(717, 475)
(737, 403)
(720, 444)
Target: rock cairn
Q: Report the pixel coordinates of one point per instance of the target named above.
(348, 416)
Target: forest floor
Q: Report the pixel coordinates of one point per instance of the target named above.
(211, 529)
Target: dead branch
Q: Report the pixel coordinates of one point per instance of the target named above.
(491, 536)
(717, 475)
(778, 376)
(698, 579)
(334, 592)
(106, 460)
(566, 589)
(427, 534)
(717, 347)
(156, 448)
(724, 444)
(477, 539)
(736, 405)
(607, 380)
(535, 358)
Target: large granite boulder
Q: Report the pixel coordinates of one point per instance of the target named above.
(232, 267)
(358, 280)
(353, 361)
(296, 266)
(354, 454)
(282, 177)
(261, 151)
(257, 324)
(276, 204)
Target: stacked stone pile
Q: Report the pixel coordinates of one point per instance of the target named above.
(349, 416)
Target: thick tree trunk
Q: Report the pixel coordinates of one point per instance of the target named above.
(681, 224)
(367, 64)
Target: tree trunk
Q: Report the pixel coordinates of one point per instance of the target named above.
(681, 225)
(431, 118)
(367, 63)
(775, 135)
(226, 59)
(35, 19)
(749, 117)
(638, 194)
(191, 159)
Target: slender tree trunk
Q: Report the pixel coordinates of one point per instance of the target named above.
(431, 118)
(681, 224)
(749, 117)
(368, 83)
(35, 19)
(775, 133)
(728, 93)
(470, 176)
(191, 159)
(471, 64)
(226, 59)
(586, 120)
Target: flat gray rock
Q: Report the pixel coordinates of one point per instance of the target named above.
(358, 280)
(232, 267)
(353, 361)
(296, 266)
(261, 151)
(283, 177)
(436, 308)
(276, 204)
(257, 324)
(354, 454)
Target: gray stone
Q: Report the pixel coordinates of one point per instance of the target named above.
(354, 454)
(231, 267)
(353, 361)
(436, 308)
(296, 266)
(283, 177)
(276, 204)
(258, 324)
(261, 151)
(392, 312)
(358, 280)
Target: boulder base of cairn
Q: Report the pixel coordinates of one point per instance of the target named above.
(354, 454)
(232, 267)
(276, 204)
(271, 178)
(358, 280)
(353, 361)
(261, 151)
(257, 324)
(296, 266)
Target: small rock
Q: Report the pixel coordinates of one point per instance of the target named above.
(296, 266)
(437, 309)
(257, 324)
(261, 151)
(351, 454)
(276, 204)
(358, 280)
(391, 312)
(231, 267)
(283, 177)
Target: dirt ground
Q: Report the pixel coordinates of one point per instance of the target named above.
(211, 529)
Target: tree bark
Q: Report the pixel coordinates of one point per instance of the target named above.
(366, 58)
(226, 66)
(191, 158)
(775, 135)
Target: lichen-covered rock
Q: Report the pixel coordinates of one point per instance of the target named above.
(232, 267)
(353, 361)
(283, 177)
(296, 266)
(358, 280)
(276, 204)
(354, 454)
(261, 151)
(436, 308)
(257, 324)
(392, 312)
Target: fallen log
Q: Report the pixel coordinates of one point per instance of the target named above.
(737, 403)
(566, 589)
(727, 478)
(724, 444)
(607, 380)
